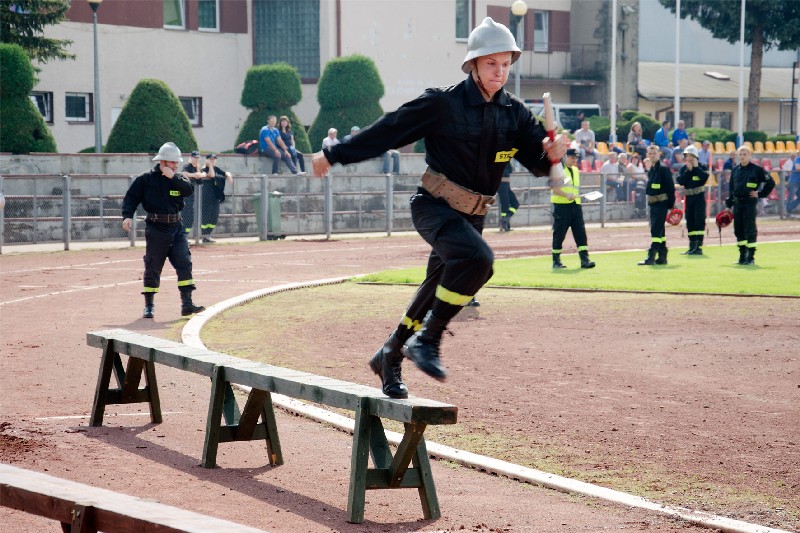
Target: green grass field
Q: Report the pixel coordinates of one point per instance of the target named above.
(776, 272)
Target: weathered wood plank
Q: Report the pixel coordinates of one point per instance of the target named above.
(378, 478)
(359, 463)
(214, 418)
(101, 390)
(405, 451)
(427, 488)
(54, 498)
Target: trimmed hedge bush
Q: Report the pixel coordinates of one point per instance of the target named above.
(152, 116)
(349, 94)
(272, 90)
(22, 127)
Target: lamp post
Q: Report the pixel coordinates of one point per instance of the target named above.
(518, 9)
(98, 130)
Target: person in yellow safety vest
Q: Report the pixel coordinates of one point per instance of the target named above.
(567, 212)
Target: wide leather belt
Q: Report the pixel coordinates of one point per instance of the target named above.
(163, 219)
(693, 191)
(458, 197)
(654, 199)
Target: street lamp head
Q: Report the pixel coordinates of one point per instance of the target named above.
(519, 8)
(94, 4)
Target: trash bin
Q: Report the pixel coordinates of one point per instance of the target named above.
(273, 216)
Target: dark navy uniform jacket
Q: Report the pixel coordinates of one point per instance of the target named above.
(690, 179)
(659, 181)
(746, 179)
(157, 194)
(467, 139)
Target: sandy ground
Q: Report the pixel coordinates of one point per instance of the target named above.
(48, 378)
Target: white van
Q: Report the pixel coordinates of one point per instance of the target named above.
(568, 116)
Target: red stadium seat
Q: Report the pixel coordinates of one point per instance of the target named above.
(766, 163)
(585, 166)
(598, 165)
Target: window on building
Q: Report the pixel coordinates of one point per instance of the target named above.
(44, 103)
(174, 14)
(193, 105)
(208, 15)
(463, 18)
(288, 32)
(719, 119)
(78, 107)
(686, 116)
(541, 26)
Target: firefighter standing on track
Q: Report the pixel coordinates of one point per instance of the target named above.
(568, 213)
(161, 192)
(749, 183)
(693, 177)
(661, 198)
(471, 130)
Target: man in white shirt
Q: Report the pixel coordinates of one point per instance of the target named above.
(585, 139)
(331, 139)
(613, 178)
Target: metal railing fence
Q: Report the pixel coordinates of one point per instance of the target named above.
(66, 208)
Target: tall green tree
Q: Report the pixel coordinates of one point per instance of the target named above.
(272, 90)
(768, 24)
(22, 127)
(152, 116)
(23, 22)
(349, 94)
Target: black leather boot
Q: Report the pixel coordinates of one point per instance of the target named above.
(505, 223)
(742, 255)
(387, 363)
(149, 306)
(557, 261)
(692, 245)
(662, 254)
(423, 347)
(187, 306)
(585, 263)
(751, 257)
(698, 247)
(651, 255)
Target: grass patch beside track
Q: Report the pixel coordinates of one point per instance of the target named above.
(776, 272)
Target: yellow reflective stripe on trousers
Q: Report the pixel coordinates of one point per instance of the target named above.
(583, 248)
(413, 325)
(208, 226)
(150, 289)
(185, 283)
(741, 243)
(696, 233)
(658, 239)
(450, 297)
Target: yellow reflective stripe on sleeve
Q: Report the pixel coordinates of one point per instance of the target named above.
(174, 193)
(450, 297)
(414, 325)
(751, 185)
(185, 283)
(656, 186)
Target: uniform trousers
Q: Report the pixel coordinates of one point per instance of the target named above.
(696, 215)
(162, 242)
(658, 218)
(566, 217)
(458, 266)
(508, 200)
(744, 221)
